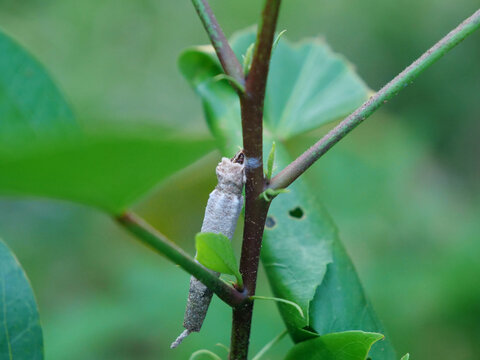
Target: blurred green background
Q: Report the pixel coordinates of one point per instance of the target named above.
(403, 188)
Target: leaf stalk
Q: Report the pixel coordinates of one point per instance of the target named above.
(296, 168)
(162, 245)
(229, 61)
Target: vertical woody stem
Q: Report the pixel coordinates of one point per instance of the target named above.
(255, 209)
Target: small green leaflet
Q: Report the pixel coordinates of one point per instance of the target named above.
(405, 357)
(215, 252)
(277, 39)
(270, 162)
(20, 332)
(349, 345)
(247, 58)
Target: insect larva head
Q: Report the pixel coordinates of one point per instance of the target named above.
(239, 157)
(231, 174)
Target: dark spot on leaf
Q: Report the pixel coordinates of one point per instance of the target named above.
(270, 222)
(296, 212)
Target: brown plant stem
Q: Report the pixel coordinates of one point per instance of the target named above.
(256, 209)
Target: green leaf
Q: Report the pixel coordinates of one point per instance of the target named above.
(405, 357)
(110, 167)
(20, 331)
(215, 252)
(308, 86)
(44, 152)
(220, 102)
(296, 250)
(339, 304)
(349, 345)
(34, 115)
(305, 262)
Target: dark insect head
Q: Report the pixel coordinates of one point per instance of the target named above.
(239, 157)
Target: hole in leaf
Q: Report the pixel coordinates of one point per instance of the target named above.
(296, 212)
(270, 222)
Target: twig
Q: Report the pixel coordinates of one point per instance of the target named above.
(304, 161)
(159, 243)
(257, 77)
(229, 61)
(255, 208)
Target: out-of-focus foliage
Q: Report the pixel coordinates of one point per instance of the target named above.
(349, 345)
(402, 189)
(108, 167)
(44, 152)
(34, 115)
(20, 333)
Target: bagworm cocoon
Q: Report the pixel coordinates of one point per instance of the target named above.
(221, 216)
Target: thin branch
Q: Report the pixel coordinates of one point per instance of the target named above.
(256, 209)
(159, 243)
(257, 77)
(304, 161)
(229, 61)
